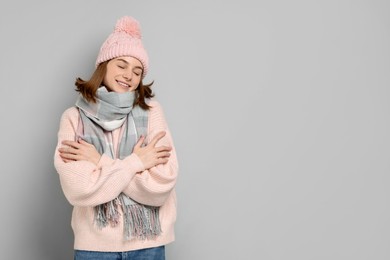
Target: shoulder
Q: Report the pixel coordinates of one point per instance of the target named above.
(156, 113)
(69, 119)
(155, 107)
(70, 114)
(154, 104)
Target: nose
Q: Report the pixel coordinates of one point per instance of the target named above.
(127, 75)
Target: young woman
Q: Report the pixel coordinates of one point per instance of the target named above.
(116, 159)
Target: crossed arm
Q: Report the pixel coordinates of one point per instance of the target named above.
(148, 175)
(150, 155)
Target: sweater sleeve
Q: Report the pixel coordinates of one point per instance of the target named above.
(152, 187)
(87, 184)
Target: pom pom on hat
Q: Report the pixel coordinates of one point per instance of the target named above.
(128, 25)
(125, 40)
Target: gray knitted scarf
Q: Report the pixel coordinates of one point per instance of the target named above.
(97, 120)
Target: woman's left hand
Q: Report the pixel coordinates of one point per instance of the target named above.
(79, 151)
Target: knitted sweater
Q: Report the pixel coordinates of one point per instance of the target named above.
(86, 185)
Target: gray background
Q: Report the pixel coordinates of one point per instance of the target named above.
(279, 112)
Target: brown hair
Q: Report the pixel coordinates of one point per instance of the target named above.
(88, 88)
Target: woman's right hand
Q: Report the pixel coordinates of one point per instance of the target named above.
(151, 155)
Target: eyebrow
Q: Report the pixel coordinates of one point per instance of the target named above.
(136, 67)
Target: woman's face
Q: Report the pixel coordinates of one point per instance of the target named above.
(123, 74)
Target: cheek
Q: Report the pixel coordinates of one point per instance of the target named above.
(137, 81)
(105, 80)
(110, 75)
(111, 71)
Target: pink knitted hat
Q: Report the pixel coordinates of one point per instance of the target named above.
(124, 41)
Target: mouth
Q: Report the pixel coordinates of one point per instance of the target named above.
(122, 84)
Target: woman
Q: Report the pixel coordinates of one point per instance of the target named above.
(116, 159)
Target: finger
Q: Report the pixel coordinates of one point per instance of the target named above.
(163, 148)
(71, 143)
(68, 150)
(140, 141)
(66, 155)
(66, 160)
(82, 141)
(163, 155)
(73, 157)
(162, 160)
(157, 138)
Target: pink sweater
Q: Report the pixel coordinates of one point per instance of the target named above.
(86, 185)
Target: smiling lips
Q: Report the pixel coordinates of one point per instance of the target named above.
(123, 84)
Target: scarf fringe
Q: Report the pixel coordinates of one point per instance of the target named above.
(107, 213)
(140, 221)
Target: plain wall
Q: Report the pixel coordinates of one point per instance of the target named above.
(279, 112)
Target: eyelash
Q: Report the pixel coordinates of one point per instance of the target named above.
(122, 67)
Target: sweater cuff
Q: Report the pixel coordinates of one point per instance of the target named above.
(134, 162)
